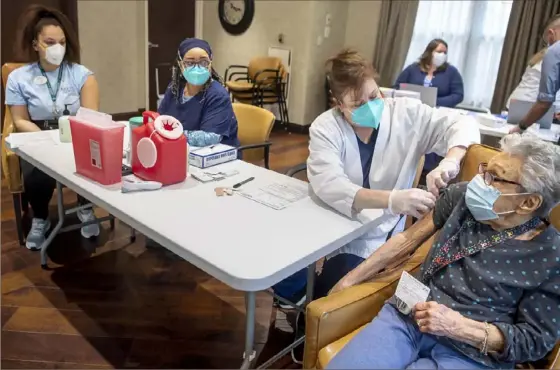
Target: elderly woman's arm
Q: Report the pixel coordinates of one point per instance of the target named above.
(398, 245)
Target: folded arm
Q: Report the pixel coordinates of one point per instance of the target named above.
(21, 119)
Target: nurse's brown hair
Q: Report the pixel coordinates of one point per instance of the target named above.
(30, 25)
(347, 71)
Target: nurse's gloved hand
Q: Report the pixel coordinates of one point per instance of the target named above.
(201, 138)
(411, 202)
(447, 170)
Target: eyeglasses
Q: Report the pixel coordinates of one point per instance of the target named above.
(191, 63)
(489, 177)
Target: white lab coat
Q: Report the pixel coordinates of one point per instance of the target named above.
(408, 130)
(528, 88)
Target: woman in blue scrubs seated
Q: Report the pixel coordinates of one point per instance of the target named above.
(52, 84)
(197, 98)
(433, 70)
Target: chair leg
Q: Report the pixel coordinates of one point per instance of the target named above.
(19, 225)
(266, 157)
(112, 223)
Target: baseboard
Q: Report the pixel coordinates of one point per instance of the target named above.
(125, 116)
(291, 127)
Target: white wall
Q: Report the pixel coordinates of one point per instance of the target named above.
(354, 23)
(272, 18)
(113, 42)
(361, 26)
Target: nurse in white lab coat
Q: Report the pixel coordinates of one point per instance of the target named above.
(364, 154)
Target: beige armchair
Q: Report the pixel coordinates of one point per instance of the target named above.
(10, 161)
(332, 321)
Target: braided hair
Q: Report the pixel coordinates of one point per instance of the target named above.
(178, 81)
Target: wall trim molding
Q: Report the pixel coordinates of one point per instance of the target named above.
(125, 116)
(291, 127)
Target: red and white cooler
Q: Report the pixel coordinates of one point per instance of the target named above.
(159, 149)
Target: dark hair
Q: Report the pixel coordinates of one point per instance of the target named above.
(425, 60)
(178, 81)
(347, 71)
(30, 25)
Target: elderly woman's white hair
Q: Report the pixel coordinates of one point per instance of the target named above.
(540, 172)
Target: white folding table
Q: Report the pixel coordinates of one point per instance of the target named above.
(246, 245)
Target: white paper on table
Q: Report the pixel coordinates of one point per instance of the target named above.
(208, 175)
(409, 292)
(277, 195)
(19, 139)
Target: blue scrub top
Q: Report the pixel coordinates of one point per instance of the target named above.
(448, 82)
(550, 74)
(366, 155)
(210, 110)
(23, 88)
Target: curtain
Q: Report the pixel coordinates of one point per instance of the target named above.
(475, 32)
(523, 40)
(393, 38)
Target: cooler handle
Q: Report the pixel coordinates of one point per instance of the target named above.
(149, 114)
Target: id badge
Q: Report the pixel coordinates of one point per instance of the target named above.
(409, 292)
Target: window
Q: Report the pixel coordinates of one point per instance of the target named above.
(475, 32)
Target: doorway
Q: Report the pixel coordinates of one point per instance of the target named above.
(169, 22)
(11, 10)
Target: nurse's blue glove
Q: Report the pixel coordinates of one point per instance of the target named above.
(202, 138)
(446, 171)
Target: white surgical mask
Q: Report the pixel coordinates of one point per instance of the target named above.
(439, 59)
(55, 54)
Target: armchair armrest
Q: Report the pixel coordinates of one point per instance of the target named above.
(235, 66)
(296, 169)
(266, 145)
(10, 161)
(333, 317)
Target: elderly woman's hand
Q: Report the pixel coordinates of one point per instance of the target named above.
(437, 319)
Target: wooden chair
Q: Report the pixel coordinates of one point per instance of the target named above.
(10, 161)
(332, 321)
(254, 127)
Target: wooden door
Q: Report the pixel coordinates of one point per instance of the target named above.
(10, 12)
(169, 22)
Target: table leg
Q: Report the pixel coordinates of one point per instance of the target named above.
(54, 232)
(310, 283)
(249, 354)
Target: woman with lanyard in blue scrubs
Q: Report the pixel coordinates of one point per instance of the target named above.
(52, 84)
(197, 98)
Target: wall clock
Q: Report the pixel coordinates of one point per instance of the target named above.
(236, 15)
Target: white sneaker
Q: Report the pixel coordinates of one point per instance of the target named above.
(36, 236)
(89, 231)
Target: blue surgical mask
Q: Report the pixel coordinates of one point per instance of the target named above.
(480, 199)
(196, 75)
(369, 114)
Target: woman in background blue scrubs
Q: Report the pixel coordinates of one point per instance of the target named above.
(197, 98)
(433, 70)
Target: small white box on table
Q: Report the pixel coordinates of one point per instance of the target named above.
(208, 156)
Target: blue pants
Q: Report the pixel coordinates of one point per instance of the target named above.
(334, 269)
(392, 341)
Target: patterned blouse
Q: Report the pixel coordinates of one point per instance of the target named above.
(512, 284)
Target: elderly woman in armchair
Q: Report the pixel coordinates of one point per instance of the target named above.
(493, 273)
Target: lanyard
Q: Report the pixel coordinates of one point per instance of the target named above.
(446, 255)
(53, 93)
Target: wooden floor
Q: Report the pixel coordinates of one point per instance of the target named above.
(112, 304)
